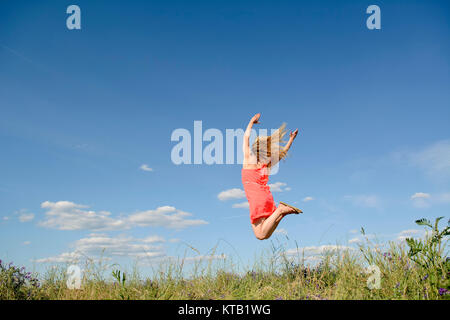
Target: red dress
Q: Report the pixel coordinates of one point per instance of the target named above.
(258, 192)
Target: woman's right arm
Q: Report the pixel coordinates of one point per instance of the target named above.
(248, 131)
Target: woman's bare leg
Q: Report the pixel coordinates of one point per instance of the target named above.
(265, 228)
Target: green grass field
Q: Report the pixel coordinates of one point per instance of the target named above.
(416, 269)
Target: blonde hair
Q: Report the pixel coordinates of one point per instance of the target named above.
(267, 148)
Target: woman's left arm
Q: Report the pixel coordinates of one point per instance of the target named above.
(292, 136)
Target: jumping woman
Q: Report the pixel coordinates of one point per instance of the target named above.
(265, 152)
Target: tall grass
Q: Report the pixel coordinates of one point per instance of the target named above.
(417, 269)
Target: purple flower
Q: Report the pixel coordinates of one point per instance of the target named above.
(387, 255)
(279, 298)
(425, 277)
(443, 291)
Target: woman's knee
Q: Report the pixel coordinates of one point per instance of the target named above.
(260, 236)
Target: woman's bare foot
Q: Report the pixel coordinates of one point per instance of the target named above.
(285, 210)
(296, 210)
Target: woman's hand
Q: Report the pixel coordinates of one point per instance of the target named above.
(292, 135)
(255, 118)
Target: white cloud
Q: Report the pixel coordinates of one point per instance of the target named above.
(101, 246)
(434, 159)
(66, 215)
(25, 243)
(237, 193)
(355, 240)
(231, 194)
(361, 238)
(145, 167)
(367, 201)
(166, 216)
(306, 199)
(424, 200)
(402, 235)
(26, 217)
(120, 246)
(5, 218)
(70, 257)
(420, 199)
(419, 195)
(278, 187)
(241, 205)
(153, 239)
(410, 232)
(316, 253)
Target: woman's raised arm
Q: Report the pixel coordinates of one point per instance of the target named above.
(248, 131)
(292, 136)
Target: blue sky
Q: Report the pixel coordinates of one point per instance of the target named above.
(83, 110)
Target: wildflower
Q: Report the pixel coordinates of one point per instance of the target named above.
(425, 295)
(397, 285)
(443, 291)
(425, 277)
(279, 298)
